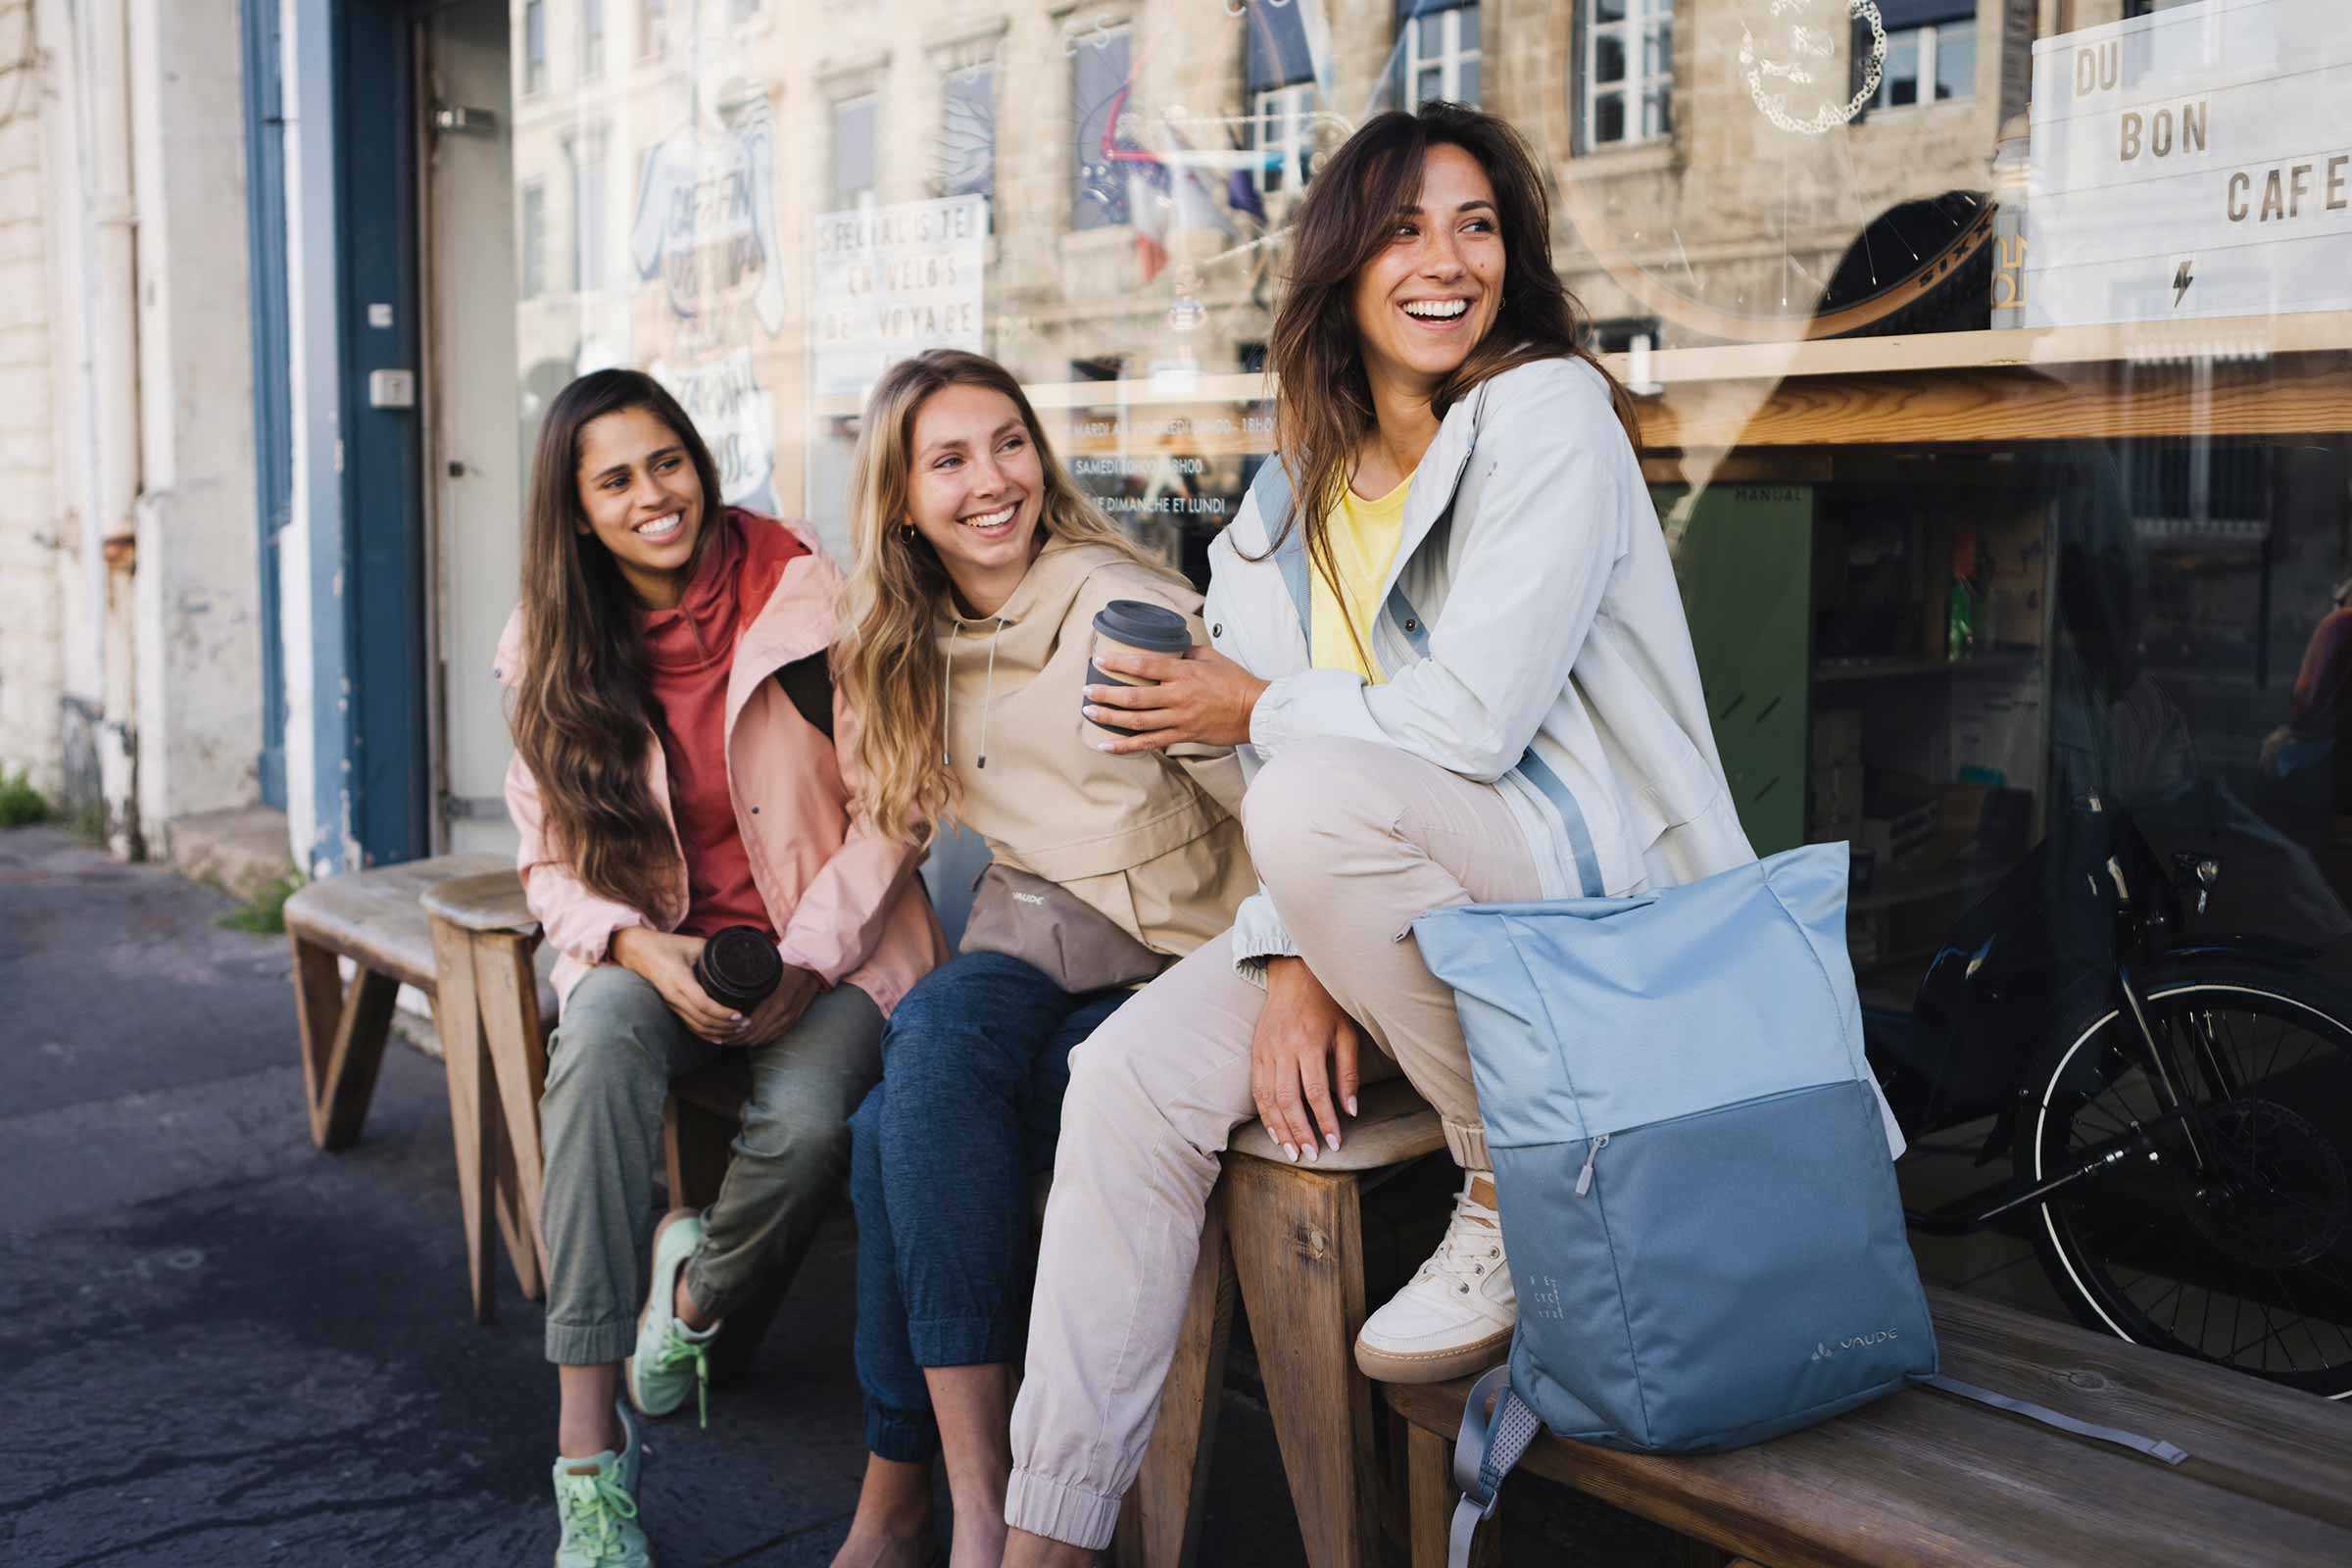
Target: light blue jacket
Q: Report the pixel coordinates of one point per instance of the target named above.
(1532, 635)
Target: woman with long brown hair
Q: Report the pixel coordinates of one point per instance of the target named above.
(985, 583)
(675, 775)
(1448, 642)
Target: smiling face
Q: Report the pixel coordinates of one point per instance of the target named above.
(975, 489)
(1427, 298)
(643, 501)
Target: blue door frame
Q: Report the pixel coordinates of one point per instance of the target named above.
(273, 408)
(362, 487)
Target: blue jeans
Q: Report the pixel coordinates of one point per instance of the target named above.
(974, 1063)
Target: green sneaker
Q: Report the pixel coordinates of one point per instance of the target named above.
(596, 1500)
(671, 1358)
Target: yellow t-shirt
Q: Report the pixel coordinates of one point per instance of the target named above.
(1364, 536)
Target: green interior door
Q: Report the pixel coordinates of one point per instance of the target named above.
(1743, 555)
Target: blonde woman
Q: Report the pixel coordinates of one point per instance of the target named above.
(981, 570)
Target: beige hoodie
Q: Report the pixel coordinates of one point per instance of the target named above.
(1150, 841)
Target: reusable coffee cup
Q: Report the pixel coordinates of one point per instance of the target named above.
(739, 967)
(1133, 626)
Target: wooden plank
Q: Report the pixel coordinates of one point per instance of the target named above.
(473, 1108)
(347, 1081)
(1920, 1479)
(1159, 1523)
(1298, 1250)
(508, 991)
(2242, 1434)
(491, 900)
(373, 918)
(1396, 1125)
(1429, 1487)
(2305, 394)
(696, 1147)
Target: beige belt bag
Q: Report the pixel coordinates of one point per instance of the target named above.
(1055, 932)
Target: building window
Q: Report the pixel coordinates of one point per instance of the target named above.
(592, 38)
(1928, 64)
(746, 10)
(1281, 122)
(1627, 72)
(588, 212)
(853, 174)
(653, 29)
(967, 133)
(1098, 97)
(1441, 51)
(535, 46)
(532, 215)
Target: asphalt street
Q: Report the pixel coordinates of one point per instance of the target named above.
(228, 1347)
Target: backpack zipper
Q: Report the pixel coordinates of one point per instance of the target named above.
(1584, 1178)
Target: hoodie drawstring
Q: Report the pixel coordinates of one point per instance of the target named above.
(988, 692)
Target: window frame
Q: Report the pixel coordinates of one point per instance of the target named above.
(1085, 219)
(534, 48)
(1448, 60)
(1292, 107)
(1929, 34)
(871, 196)
(1635, 88)
(530, 251)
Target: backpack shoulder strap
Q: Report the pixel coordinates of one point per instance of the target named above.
(1485, 1452)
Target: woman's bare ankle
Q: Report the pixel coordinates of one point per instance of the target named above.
(1025, 1550)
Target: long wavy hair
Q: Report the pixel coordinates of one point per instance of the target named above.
(886, 658)
(583, 704)
(1323, 409)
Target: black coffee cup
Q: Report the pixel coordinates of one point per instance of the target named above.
(739, 967)
(1134, 625)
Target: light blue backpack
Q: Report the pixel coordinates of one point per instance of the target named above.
(1692, 1168)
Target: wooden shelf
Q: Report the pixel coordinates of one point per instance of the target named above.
(1833, 673)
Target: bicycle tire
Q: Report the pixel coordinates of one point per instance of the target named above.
(2276, 1220)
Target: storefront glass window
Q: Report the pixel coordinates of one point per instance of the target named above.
(1994, 361)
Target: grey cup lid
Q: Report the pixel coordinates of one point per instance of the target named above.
(1140, 624)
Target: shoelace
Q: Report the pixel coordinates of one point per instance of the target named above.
(1467, 1246)
(591, 1504)
(679, 1350)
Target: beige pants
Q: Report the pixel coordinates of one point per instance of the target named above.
(1355, 841)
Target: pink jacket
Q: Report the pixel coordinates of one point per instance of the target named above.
(845, 898)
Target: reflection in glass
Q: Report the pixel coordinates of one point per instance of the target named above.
(967, 133)
(1956, 61)
(1099, 79)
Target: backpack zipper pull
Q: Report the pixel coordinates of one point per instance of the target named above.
(1584, 1178)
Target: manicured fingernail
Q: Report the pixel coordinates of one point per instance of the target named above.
(1312, 1154)
(734, 1018)
(1333, 1139)
(1102, 746)
(1350, 1105)
(1291, 1152)
(1093, 712)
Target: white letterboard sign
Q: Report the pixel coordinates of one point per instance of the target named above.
(2192, 163)
(890, 281)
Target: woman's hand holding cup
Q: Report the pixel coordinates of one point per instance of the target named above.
(667, 963)
(1202, 698)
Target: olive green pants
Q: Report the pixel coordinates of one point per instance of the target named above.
(609, 1068)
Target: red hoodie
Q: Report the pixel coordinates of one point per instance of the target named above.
(691, 650)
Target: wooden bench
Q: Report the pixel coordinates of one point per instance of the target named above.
(1288, 1239)
(374, 920)
(1924, 1478)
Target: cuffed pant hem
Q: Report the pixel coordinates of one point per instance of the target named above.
(963, 1340)
(591, 1344)
(1057, 1511)
(713, 1300)
(1466, 1142)
(904, 1437)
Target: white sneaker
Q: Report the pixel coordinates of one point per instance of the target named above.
(1456, 1315)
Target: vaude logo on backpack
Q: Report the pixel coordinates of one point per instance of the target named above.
(1695, 1185)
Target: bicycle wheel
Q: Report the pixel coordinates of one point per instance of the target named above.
(2229, 1236)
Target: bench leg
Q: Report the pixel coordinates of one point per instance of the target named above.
(1297, 1250)
(1159, 1527)
(343, 1035)
(508, 990)
(472, 1106)
(523, 1246)
(1429, 1484)
(696, 1147)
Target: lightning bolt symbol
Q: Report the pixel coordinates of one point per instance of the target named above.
(2180, 281)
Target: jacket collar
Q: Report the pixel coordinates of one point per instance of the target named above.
(1434, 485)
